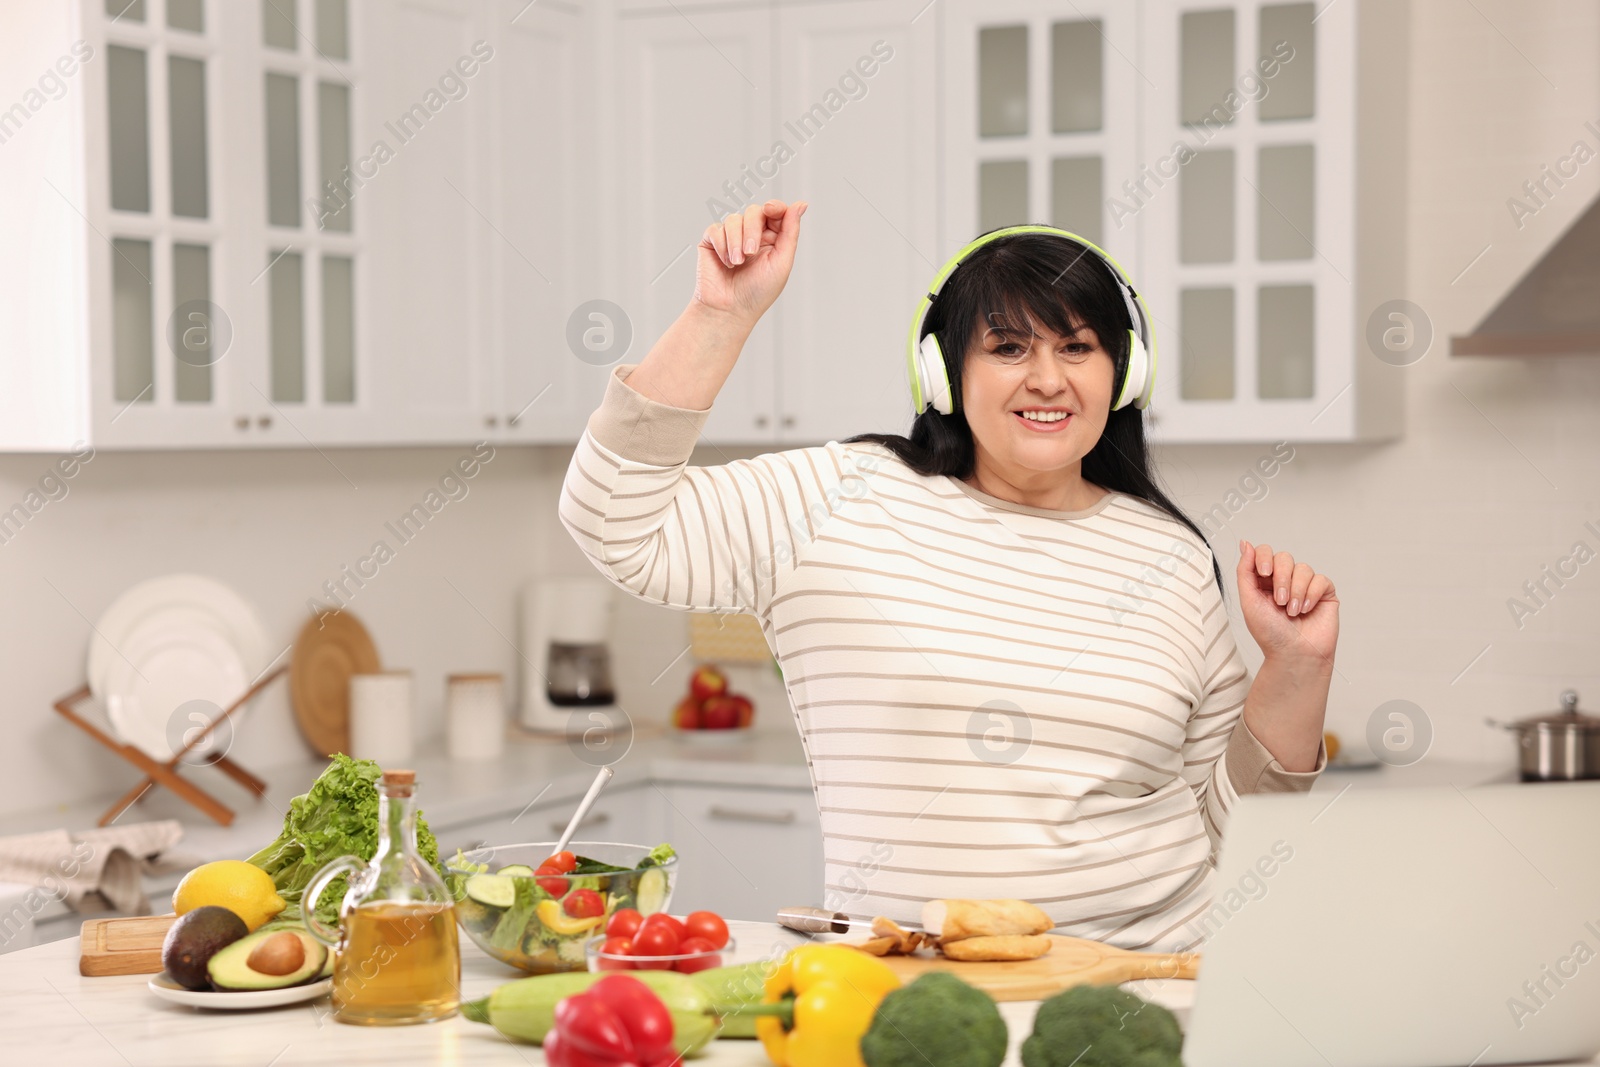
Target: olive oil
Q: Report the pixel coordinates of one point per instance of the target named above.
(399, 962)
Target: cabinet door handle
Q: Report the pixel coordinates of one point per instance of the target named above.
(761, 422)
(596, 818)
(739, 815)
(242, 422)
(264, 421)
(491, 422)
(788, 422)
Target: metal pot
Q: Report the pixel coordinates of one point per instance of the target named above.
(1558, 746)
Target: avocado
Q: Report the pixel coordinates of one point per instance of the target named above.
(268, 959)
(194, 938)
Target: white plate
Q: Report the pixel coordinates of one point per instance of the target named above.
(234, 617)
(164, 987)
(170, 659)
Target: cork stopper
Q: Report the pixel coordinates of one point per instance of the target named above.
(399, 783)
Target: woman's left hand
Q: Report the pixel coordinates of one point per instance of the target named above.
(1290, 609)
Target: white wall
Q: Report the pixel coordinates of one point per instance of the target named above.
(1426, 538)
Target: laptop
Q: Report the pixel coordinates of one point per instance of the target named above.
(1408, 927)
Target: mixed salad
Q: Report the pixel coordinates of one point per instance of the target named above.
(538, 919)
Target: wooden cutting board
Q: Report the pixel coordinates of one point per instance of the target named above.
(330, 648)
(123, 946)
(1071, 961)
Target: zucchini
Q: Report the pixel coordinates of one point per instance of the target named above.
(524, 1009)
(494, 890)
(517, 868)
(652, 891)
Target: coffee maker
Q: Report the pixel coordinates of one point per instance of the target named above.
(566, 668)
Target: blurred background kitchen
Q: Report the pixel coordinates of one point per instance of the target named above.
(270, 269)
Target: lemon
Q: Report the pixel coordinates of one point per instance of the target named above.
(242, 888)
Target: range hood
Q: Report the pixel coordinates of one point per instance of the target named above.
(1554, 309)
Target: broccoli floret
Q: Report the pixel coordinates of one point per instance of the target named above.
(1102, 1026)
(936, 1019)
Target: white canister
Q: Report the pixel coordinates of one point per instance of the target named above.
(381, 717)
(475, 716)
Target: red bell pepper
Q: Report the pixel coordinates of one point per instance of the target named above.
(617, 1022)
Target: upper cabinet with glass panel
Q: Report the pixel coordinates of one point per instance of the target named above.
(1216, 151)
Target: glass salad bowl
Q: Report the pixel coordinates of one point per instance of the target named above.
(540, 923)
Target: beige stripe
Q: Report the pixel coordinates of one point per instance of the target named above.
(871, 839)
(1062, 745)
(577, 463)
(1043, 872)
(806, 705)
(1147, 909)
(976, 762)
(1034, 664)
(600, 451)
(1103, 892)
(879, 676)
(964, 790)
(874, 550)
(1066, 581)
(568, 494)
(1061, 719)
(711, 550)
(688, 555)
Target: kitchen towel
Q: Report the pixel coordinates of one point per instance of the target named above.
(106, 862)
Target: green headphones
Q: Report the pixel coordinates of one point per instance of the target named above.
(925, 359)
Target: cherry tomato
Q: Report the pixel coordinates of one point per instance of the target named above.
(555, 886)
(679, 931)
(655, 940)
(624, 922)
(707, 925)
(704, 963)
(583, 904)
(563, 862)
(616, 946)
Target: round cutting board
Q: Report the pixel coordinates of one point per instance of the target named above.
(331, 647)
(1071, 961)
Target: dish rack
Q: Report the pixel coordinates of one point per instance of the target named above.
(158, 772)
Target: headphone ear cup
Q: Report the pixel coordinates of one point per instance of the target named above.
(934, 376)
(1136, 377)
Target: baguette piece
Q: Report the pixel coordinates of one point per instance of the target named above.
(999, 947)
(953, 919)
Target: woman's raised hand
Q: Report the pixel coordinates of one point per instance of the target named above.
(745, 259)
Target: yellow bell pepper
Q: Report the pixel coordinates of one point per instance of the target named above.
(818, 1003)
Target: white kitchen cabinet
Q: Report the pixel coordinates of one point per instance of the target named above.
(1261, 215)
(857, 97)
(630, 815)
(746, 852)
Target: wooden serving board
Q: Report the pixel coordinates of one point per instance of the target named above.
(1071, 961)
(123, 946)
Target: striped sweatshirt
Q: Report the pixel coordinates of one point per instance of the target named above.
(995, 700)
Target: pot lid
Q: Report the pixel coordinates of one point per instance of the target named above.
(1568, 717)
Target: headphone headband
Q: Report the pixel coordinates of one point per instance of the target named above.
(930, 378)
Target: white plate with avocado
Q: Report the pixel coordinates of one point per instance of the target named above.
(164, 987)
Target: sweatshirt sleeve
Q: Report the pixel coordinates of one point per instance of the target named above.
(696, 538)
(1222, 759)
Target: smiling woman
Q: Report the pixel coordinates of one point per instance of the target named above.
(996, 700)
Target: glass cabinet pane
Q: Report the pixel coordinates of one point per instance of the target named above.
(132, 342)
(1286, 30)
(1284, 354)
(128, 119)
(125, 10)
(1002, 81)
(286, 319)
(1002, 193)
(1205, 208)
(333, 155)
(1205, 326)
(338, 330)
(1285, 205)
(278, 24)
(283, 151)
(1075, 195)
(1208, 70)
(191, 332)
(186, 15)
(333, 29)
(186, 115)
(1075, 76)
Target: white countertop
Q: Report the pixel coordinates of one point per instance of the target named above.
(58, 1017)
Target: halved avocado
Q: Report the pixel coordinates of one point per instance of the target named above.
(240, 966)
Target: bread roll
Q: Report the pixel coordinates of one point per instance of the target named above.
(952, 920)
(1000, 947)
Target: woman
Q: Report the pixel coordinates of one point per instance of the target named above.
(1007, 651)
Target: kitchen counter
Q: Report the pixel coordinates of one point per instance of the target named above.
(58, 1017)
